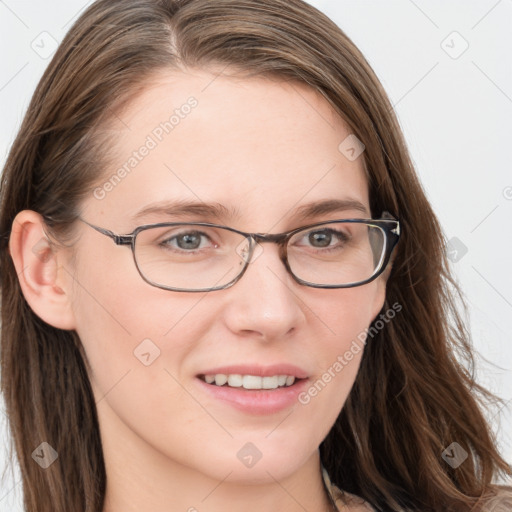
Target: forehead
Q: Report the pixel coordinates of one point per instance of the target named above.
(259, 146)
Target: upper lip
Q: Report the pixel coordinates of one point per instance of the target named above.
(257, 370)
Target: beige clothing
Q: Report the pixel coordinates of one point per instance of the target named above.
(502, 502)
(342, 499)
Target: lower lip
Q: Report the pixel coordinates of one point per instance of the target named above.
(256, 401)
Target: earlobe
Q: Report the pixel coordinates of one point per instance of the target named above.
(36, 261)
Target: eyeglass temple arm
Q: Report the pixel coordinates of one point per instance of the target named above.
(387, 216)
(118, 239)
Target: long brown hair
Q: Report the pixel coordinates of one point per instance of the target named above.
(415, 392)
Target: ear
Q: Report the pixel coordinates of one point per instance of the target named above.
(36, 261)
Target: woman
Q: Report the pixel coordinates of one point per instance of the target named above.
(279, 336)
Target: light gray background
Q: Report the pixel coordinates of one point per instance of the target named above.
(454, 106)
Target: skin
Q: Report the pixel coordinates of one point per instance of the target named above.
(264, 147)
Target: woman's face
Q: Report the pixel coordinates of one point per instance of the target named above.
(261, 149)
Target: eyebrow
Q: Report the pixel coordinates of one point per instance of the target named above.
(219, 212)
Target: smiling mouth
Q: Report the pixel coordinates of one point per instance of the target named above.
(250, 382)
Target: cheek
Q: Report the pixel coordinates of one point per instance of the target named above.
(346, 317)
(126, 324)
(347, 313)
(137, 339)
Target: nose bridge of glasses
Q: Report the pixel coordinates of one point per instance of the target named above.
(276, 238)
(250, 255)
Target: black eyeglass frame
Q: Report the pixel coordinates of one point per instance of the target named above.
(387, 223)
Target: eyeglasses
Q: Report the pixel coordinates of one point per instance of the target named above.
(199, 256)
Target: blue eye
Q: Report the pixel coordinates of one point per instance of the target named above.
(186, 241)
(327, 238)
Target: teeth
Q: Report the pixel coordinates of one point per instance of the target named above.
(250, 381)
(220, 379)
(235, 381)
(253, 382)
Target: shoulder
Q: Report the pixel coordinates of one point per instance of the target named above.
(500, 502)
(344, 500)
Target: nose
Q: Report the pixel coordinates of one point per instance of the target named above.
(265, 303)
